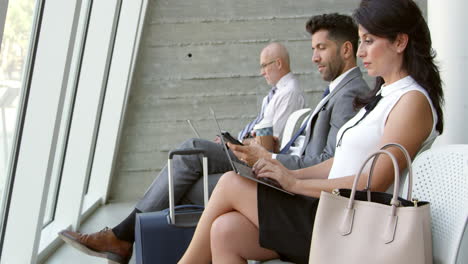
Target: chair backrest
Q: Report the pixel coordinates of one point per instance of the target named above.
(404, 174)
(441, 177)
(293, 123)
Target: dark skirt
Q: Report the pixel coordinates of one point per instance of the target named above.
(286, 223)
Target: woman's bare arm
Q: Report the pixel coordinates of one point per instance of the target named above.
(409, 124)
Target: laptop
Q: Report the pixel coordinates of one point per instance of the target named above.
(244, 170)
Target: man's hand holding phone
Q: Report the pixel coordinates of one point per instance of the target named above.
(249, 154)
(228, 138)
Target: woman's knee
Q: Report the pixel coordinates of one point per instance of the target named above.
(229, 182)
(232, 179)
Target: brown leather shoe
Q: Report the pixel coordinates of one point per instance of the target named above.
(102, 244)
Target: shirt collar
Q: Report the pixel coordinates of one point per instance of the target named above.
(334, 83)
(398, 85)
(284, 80)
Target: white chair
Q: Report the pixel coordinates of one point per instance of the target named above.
(441, 177)
(293, 123)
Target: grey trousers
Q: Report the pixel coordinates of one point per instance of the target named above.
(187, 173)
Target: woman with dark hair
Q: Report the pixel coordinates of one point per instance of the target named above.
(244, 220)
(388, 19)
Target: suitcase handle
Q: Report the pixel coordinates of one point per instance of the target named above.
(189, 206)
(186, 152)
(171, 180)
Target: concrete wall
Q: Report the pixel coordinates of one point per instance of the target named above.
(196, 54)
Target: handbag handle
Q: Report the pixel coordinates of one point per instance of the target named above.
(389, 232)
(396, 188)
(410, 170)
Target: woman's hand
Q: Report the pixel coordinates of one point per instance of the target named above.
(273, 169)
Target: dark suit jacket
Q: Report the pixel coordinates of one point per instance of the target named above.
(320, 144)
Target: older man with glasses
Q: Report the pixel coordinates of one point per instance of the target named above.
(284, 98)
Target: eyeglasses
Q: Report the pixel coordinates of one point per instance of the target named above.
(264, 65)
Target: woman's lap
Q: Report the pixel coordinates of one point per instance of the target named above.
(286, 223)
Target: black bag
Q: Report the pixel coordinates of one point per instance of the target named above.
(163, 237)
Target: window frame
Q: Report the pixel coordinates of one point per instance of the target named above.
(24, 95)
(43, 121)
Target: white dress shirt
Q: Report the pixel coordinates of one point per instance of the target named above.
(287, 99)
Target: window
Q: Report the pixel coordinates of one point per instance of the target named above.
(77, 87)
(13, 56)
(67, 114)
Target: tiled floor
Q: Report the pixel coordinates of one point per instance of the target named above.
(108, 215)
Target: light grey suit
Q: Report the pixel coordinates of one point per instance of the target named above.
(187, 170)
(320, 144)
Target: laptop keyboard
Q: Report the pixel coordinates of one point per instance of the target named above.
(246, 170)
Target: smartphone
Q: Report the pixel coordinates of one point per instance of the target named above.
(227, 137)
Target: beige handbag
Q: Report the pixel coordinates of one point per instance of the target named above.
(370, 227)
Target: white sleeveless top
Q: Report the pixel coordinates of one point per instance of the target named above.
(362, 140)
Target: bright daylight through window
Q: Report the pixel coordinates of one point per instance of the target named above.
(13, 55)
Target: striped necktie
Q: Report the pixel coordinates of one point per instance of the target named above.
(248, 128)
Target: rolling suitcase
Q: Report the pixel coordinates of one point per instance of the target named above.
(163, 237)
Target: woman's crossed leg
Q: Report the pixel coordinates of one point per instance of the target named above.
(228, 229)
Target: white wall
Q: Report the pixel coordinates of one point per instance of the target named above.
(449, 31)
